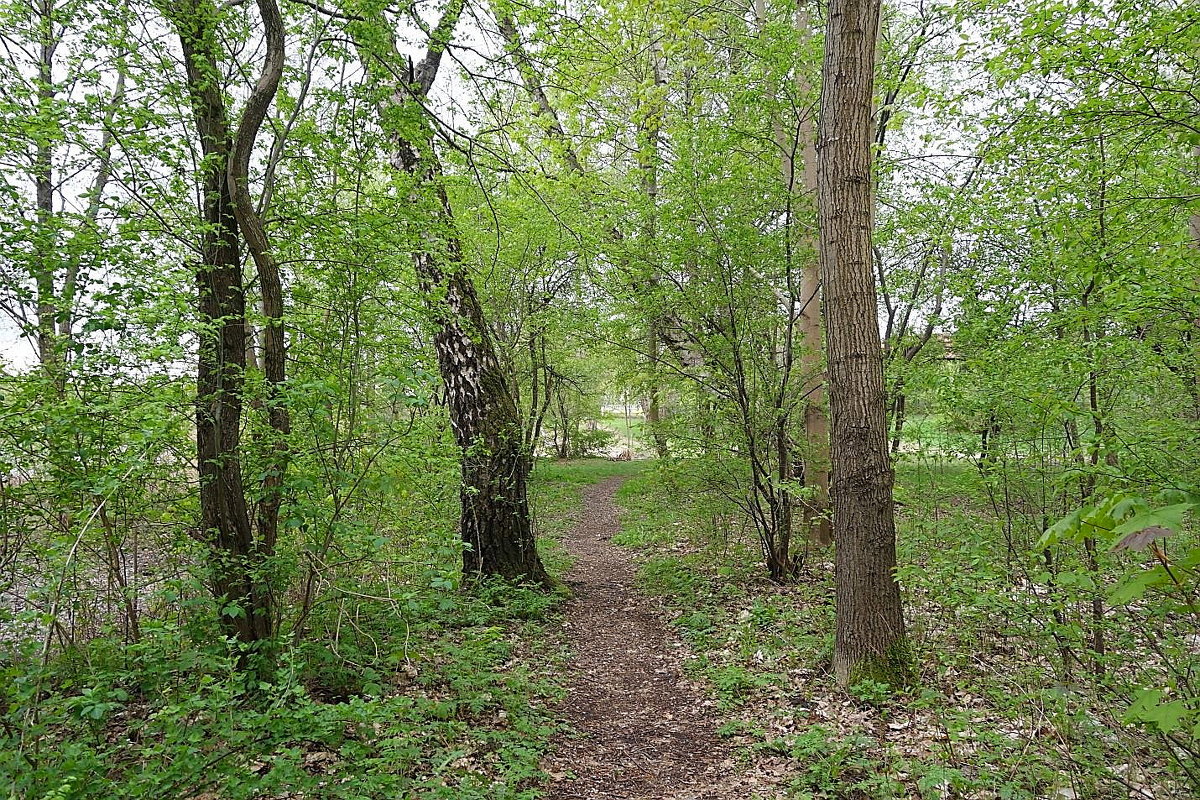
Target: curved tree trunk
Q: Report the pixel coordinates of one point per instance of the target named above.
(238, 555)
(274, 345)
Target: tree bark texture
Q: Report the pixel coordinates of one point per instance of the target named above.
(870, 640)
(237, 558)
(495, 522)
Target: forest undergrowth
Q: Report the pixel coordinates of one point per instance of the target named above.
(995, 713)
(416, 688)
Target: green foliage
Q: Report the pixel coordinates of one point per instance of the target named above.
(994, 713)
(834, 767)
(871, 692)
(589, 443)
(1162, 587)
(670, 577)
(424, 698)
(1039, 305)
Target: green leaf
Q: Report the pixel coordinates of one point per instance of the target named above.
(1165, 517)
(1149, 709)
(1135, 586)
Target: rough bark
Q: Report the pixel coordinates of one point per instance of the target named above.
(495, 522)
(274, 345)
(237, 558)
(870, 640)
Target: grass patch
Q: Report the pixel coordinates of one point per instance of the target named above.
(434, 696)
(556, 491)
(414, 688)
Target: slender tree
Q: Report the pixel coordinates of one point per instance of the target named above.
(63, 240)
(239, 549)
(870, 638)
(811, 323)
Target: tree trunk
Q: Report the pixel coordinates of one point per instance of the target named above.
(236, 558)
(654, 392)
(495, 523)
(801, 186)
(811, 327)
(870, 640)
(46, 248)
(899, 402)
(274, 345)
(507, 25)
(1194, 230)
(648, 158)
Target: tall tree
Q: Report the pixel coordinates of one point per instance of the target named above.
(60, 93)
(870, 639)
(239, 550)
(796, 141)
(495, 522)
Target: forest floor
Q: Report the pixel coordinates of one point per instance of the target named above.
(642, 730)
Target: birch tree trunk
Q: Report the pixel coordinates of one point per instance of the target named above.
(495, 523)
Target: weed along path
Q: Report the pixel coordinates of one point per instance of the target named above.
(644, 733)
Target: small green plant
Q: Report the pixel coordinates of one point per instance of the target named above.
(734, 682)
(834, 767)
(871, 692)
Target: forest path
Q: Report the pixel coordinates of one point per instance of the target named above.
(645, 733)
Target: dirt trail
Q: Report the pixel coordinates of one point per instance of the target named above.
(646, 733)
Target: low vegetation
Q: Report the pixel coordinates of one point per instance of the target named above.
(1012, 700)
(409, 687)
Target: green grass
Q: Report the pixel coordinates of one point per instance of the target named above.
(634, 427)
(437, 694)
(556, 489)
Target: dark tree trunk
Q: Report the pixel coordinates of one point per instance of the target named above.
(274, 344)
(237, 559)
(870, 641)
(495, 522)
(899, 410)
(653, 402)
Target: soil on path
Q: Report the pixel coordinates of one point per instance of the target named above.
(645, 733)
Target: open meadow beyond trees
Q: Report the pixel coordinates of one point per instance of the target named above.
(599, 400)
